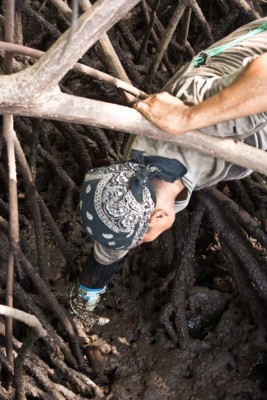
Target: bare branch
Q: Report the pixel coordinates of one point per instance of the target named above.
(8, 133)
(75, 109)
(177, 15)
(28, 319)
(50, 69)
(111, 57)
(63, 7)
(46, 73)
(81, 68)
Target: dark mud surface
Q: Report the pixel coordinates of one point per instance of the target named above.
(132, 355)
(182, 322)
(225, 357)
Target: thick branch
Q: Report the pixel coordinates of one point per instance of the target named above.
(46, 73)
(105, 115)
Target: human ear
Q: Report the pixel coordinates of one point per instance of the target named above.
(157, 217)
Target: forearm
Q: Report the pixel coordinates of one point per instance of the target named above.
(246, 96)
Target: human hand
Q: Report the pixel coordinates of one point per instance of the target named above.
(165, 111)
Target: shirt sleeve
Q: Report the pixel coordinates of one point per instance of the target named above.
(107, 256)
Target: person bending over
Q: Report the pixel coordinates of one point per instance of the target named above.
(128, 203)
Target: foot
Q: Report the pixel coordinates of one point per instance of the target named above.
(84, 300)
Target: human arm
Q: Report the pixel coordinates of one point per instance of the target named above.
(245, 96)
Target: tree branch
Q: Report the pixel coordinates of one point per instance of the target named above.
(46, 73)
(28, 319)
(81, 68)
(34, 92)
(75, 109)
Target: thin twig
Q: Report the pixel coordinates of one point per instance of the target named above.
(45, 212)
(177, 15)
(13, 200)
(199, 14)
(57, 309)
(245, 6)
(27, 303)
(143, 46)
(156, 40)
(185, 26)
(81, 68)
(37, 331)
(35, 209)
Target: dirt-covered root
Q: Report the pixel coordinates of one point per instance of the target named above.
(184, 322)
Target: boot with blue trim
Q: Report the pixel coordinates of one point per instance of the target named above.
(83, 300)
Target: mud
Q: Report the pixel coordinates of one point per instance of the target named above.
(226, 358)
(132, 355)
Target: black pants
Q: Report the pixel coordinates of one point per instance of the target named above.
(95, 275)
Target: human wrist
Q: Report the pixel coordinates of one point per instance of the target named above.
(187, 120)
(199, 116)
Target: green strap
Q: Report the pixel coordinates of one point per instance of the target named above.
(200, 60)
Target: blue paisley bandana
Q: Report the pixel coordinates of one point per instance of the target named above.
(118, 200)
